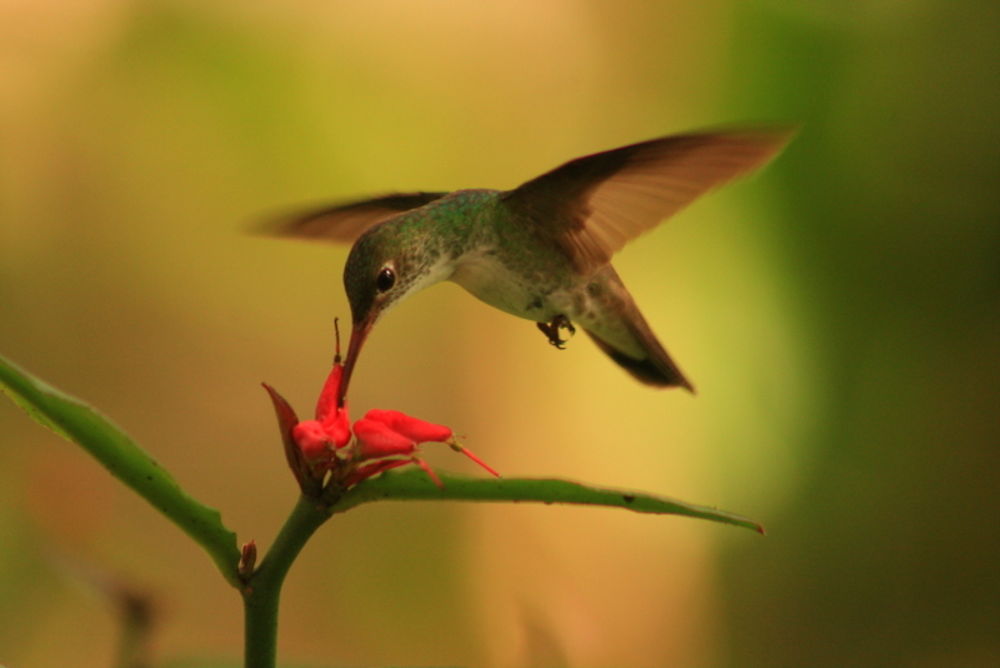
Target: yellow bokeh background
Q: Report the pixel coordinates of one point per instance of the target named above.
(838, 313)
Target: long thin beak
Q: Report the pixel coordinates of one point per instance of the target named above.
(359, 332)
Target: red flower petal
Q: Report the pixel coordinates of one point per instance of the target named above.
(338, 427)
(313, 440)
(412, 428)
(326, 405)
(378, 440)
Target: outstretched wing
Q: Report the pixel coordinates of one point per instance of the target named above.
(346, 222)
(593, 205)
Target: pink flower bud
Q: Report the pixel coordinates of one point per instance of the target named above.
(412, 428)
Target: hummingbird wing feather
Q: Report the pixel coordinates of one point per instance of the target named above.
(593, 205)
(346, 222)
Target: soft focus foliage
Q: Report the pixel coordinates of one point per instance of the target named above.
(838, 314)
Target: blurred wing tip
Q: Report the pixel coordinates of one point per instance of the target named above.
(345, 222)
(771, 137)
(765, 139)
(270, 227)
(775, 130)
(284, 227)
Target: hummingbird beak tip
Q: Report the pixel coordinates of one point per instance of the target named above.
(359, 332)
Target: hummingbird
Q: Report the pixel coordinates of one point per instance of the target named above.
(541, 251)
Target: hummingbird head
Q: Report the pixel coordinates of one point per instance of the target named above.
(387, 263)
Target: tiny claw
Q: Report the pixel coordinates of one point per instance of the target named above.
(565, 323)
(551, 330)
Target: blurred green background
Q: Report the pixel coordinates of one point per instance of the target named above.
(838, 313)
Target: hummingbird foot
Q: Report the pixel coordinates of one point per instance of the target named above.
(551, 330)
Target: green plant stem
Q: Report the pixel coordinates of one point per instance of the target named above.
(414, 485)
(262, 591)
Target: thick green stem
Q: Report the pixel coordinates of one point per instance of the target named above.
(262, 591)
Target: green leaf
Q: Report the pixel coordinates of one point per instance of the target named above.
(415, 485)
(78, 422)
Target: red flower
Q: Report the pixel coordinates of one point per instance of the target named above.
(331, 430)
(383, 439)
(387, 433)
(319, 439)
(409, 427)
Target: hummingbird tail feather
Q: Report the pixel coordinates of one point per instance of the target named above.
(657, 368)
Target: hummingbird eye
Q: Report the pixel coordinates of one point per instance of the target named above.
(385, 279)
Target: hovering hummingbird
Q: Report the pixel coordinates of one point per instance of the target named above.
(541, 251)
